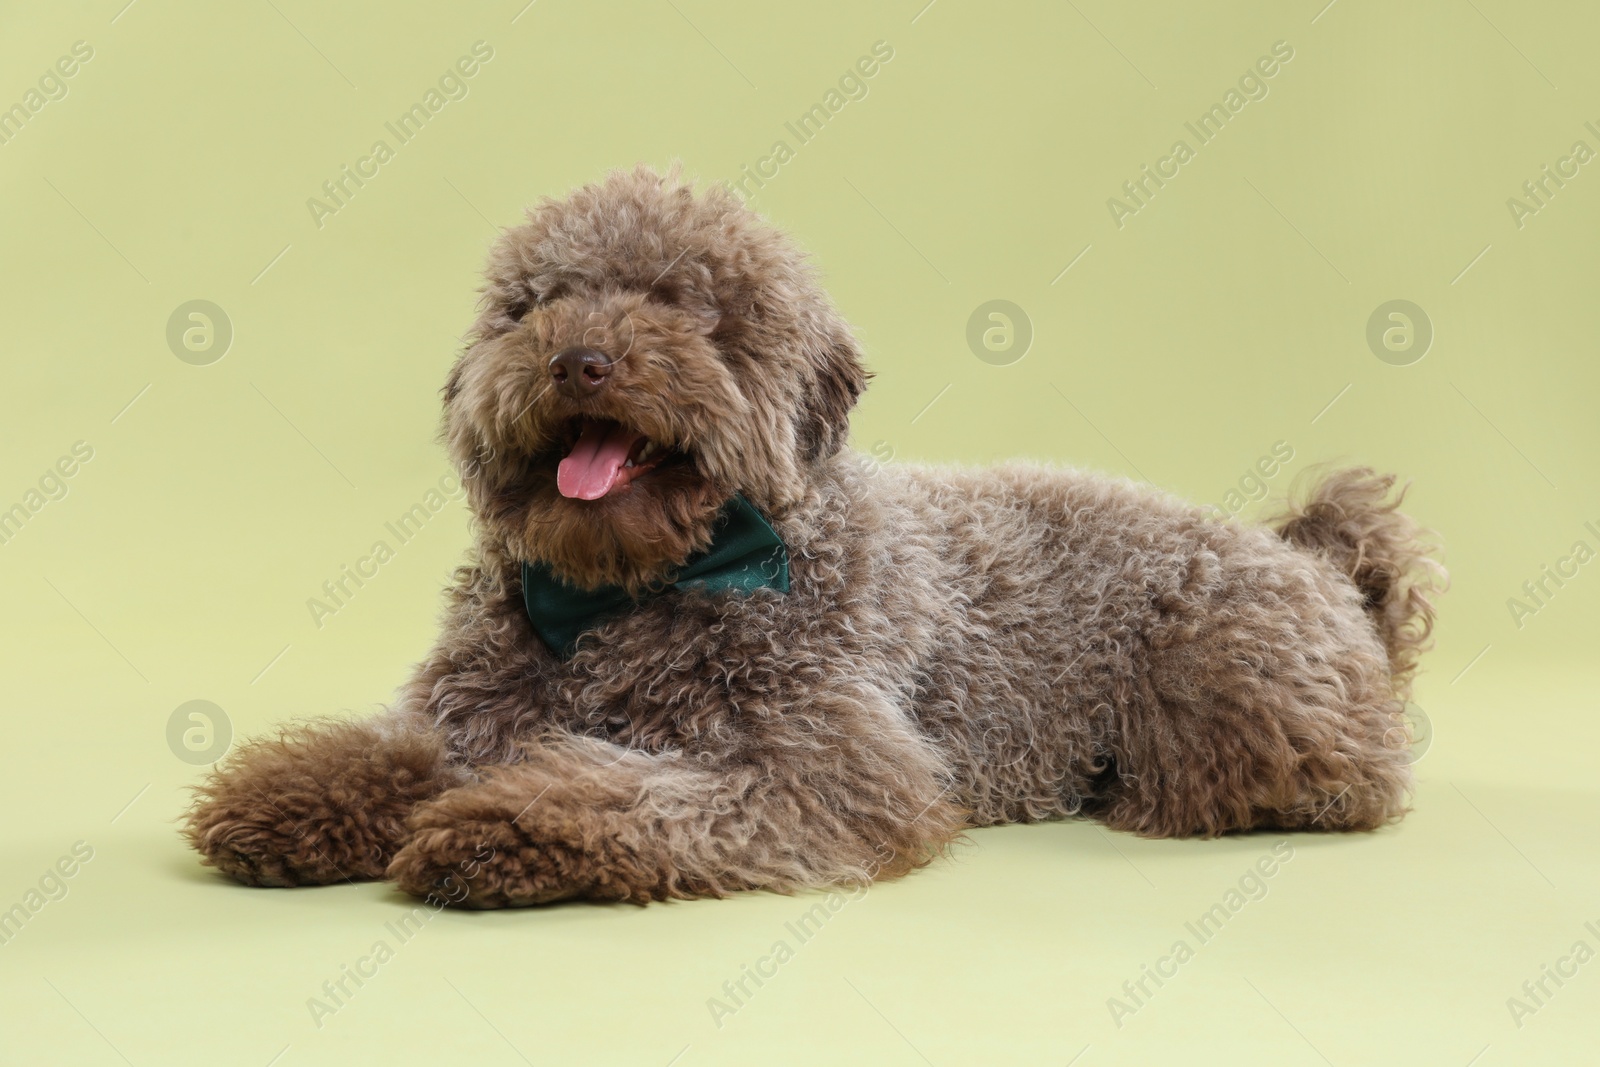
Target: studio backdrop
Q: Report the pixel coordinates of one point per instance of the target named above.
(1200, 246)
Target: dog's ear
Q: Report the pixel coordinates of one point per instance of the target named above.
(452, 383)
(823, 420)
(456, 431)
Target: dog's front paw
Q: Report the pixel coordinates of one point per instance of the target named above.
(482, 846)
(475, 865)
(320, 804)
(254, 840)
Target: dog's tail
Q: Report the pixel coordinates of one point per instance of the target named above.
(1351, 518)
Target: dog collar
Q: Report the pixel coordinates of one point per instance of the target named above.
(745, 554)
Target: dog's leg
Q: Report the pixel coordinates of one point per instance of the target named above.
(1274, 744)
(1219, 769)
(853, 795)
(1265, 696)
(320, 803)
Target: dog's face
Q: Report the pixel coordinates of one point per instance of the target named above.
(642, 354)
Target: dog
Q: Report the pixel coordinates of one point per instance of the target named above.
(699, 646)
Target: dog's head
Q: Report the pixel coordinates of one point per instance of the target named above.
(642, 354)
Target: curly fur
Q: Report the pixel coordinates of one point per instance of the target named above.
(1349, 517)
(317, 803)
(959, 647)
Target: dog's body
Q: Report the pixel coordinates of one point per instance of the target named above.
(956, 647)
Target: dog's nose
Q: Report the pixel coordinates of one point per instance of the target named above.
(579, 371)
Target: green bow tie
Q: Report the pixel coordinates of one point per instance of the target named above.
(745, 555)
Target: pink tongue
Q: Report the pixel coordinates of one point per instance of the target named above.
(591, 468)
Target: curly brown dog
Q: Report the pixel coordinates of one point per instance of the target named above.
(699, 646)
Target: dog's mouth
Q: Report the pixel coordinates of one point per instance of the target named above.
(604, 458)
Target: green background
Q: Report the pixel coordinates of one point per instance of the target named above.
(1227, 315)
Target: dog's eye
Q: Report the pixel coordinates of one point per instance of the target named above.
(518, 309)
